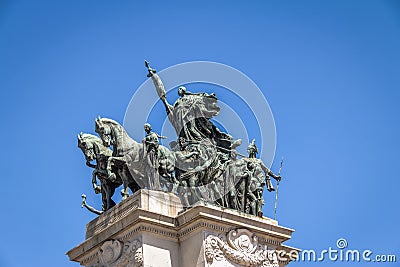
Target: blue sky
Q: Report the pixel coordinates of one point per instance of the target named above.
(329, 69)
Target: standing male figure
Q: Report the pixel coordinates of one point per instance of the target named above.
(150, 157)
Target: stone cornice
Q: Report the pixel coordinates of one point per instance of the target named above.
(212, 216)
(133, 217)
(183, 226)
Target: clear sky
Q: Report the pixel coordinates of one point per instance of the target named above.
(329, 69)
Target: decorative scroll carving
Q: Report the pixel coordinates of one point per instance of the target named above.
(241, 248)
(115, 253)
(243, 240)
(110, 251)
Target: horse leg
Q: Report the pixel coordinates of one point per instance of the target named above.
(109, 172)
(125, 191)
(110, 192)
(134, 187)
(103, 199)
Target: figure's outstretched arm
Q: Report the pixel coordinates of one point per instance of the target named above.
(161, 136)
(149, 69)
(89, 208)
(268, 172)
(159, 87)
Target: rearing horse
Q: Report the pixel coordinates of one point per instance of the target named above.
(126, 156)
(93, 149)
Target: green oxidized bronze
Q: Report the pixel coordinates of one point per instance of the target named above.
(201, 167)
(94, 150)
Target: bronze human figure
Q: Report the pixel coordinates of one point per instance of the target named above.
(202, 166)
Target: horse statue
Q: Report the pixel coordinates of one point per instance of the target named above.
(126, 154)
(93, 149)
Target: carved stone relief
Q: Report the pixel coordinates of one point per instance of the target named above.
(241, 247)
(115, 253)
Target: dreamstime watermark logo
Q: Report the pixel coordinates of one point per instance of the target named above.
(341, 243)
(340, 253)
(244, 111)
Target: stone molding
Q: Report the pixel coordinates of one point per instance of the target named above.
(217, 230)
(111, 216)
(232, 219)
(152, 229)
(146, 200)
(89, 259)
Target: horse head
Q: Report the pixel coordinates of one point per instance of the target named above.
(112, 133)
(104, 130)
(91, 146)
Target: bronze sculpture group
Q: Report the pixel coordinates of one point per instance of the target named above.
(201, 167)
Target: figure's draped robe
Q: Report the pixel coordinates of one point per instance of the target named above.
(190, 116)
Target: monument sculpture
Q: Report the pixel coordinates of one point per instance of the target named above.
(202, 168)
(93, 149)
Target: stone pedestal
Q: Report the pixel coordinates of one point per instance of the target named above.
(150, 228)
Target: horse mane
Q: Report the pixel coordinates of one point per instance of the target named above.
(119, 130)
(114, 123)
(88, 135)
(91, 138)
(110, 121)
(96, 141)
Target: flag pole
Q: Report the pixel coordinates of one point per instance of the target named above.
(277, 190)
